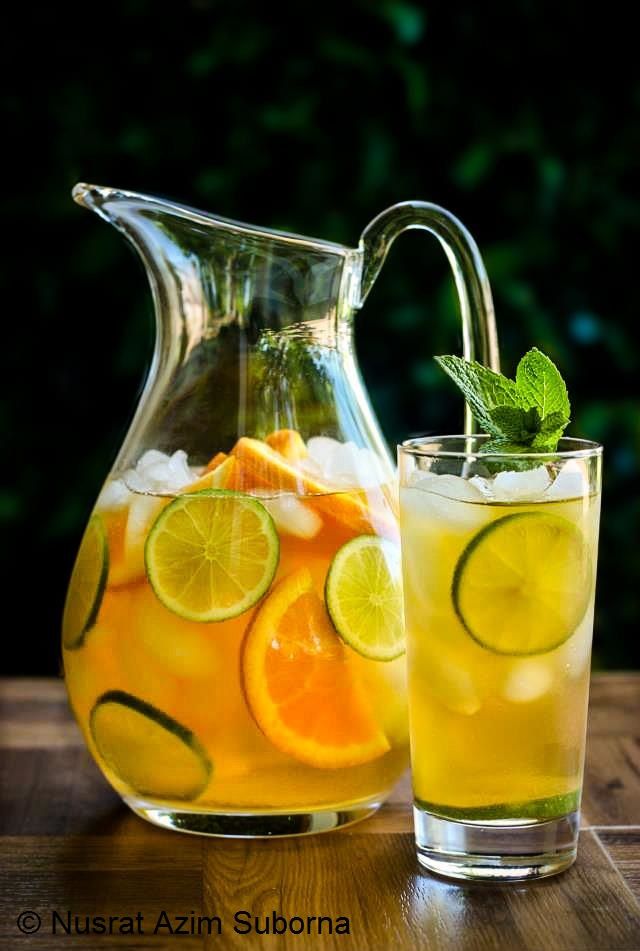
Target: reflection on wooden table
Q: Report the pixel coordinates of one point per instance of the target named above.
(69, 845)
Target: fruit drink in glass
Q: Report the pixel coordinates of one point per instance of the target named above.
(499, 563)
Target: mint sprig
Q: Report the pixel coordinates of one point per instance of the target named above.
(528, 414)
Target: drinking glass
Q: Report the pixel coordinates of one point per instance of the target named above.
(499, 569)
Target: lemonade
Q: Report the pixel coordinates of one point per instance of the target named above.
(233, 644)
(499, 583)
(498, 701)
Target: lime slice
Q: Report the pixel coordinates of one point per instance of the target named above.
(87, 585)
(523, 583)
(363, 592)
(148, 750)
(552, 807)
(211, 555)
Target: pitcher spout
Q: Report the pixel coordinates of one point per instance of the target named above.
(92, 196)
(117, 206)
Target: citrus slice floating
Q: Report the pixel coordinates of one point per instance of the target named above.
(148, 750)
(289, 443)
(359, 510)
(212, 555)
(216, 461)
(88, 581)
(300, 686)
(523, 583)
(364, 597)
(265, 467)
(219, 476)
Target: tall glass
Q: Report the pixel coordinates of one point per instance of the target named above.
(499, 569)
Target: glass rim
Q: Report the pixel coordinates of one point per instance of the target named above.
(419, 446)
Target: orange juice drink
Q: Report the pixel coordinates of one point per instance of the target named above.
(234, 647)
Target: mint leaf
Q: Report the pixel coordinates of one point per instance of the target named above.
(528, 414)
(483, 389)
(546, 442)
(507, 446)
(515, 423)
(540, 384)
(553, 422)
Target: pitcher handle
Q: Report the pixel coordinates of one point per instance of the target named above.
(479, 337)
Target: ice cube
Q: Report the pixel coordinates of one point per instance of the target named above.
(454, 687)
(528, 680)
(515, 486)
(571, 482)
(134, 481)
(321, 450)
(179, 471)
(440, 502)
(483, 485)
(150, 458)
(454, 487)
(293, 517)
(420, 477)
(576, 653)
(353, 466)
(158, 477)
(142, 512)
(157, 472)
(342, 465)
(114, 495)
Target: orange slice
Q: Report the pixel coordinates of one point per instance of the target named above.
(289, 443)
(217, 460)
(263, 467)
(260, 466)
(301, 685)
(219, 477)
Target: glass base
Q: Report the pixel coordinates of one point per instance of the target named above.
(255, 825)
(498, 850)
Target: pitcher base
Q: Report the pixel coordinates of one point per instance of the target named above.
(267, 825)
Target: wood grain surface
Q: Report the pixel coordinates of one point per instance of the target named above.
(69, 845)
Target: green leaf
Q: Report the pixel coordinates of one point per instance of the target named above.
(516, 461)
(539, 384)
(546, 442)
(529, 414)
(483, 389)
(533, 421)
(515, 423)
(553, 422)
(507, 446)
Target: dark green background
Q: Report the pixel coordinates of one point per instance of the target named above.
(523, 119)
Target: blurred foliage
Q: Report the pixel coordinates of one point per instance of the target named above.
(314, 120)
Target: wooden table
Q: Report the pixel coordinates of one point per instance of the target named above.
(69, 845)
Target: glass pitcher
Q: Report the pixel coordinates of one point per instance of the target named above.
(232, 635)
